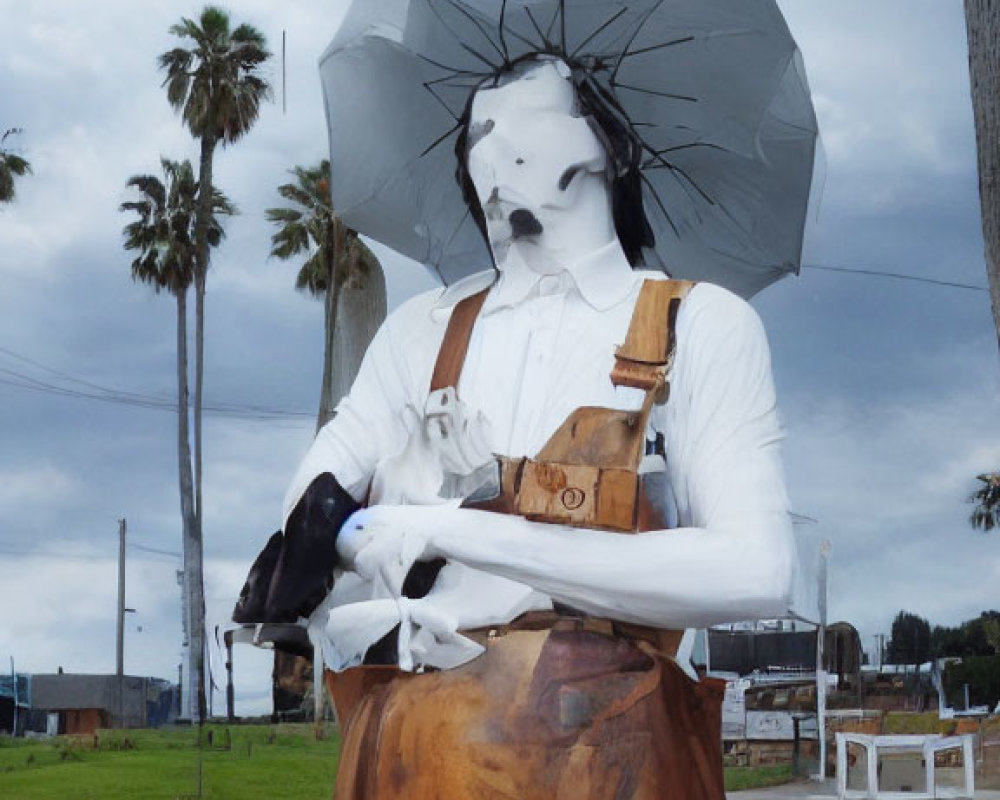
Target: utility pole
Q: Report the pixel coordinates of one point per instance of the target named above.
(13, 683)
(824, 555)
(982, 21)
(120, 668)
(227, 637)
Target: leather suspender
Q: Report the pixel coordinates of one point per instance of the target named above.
(455, 345)
(642, 362)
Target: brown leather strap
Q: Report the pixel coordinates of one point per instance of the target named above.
(454, 346)
(642, 361)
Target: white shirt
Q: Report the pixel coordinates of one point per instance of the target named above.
(543, 345)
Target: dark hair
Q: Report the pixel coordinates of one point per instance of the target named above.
(610, 125)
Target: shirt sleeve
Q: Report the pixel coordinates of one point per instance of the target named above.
(721, 424)
(368, 425)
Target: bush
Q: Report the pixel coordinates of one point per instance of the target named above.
(982, 673)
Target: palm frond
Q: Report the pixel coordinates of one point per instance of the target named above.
(163, 234)
(986, 514)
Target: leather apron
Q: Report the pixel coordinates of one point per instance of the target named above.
(560, 705)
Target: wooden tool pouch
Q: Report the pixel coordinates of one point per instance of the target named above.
(587, 474)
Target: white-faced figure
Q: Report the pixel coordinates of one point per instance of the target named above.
(547, 166)
(538, 168)
(552, 176)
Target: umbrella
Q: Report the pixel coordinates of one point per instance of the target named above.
(713, 90)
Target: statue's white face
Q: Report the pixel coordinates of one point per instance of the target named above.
(530, 157)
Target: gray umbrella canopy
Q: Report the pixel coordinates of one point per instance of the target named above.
(714, 90)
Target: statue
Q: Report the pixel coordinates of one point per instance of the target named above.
(563, 464)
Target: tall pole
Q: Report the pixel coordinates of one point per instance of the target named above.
(120, 651)
(824, 555)
(13, 682)
(227, 637)
(320, 730)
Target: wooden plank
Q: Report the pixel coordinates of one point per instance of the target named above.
(617, 491)
(602, 437)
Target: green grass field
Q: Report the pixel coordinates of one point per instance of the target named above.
(243, 762)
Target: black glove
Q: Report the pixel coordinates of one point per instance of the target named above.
(294, 571)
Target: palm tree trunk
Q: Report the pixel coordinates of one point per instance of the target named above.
(190, 539)
(196, 587)
(361, 310)
(334, 257)
(354, 307)
(982, 18)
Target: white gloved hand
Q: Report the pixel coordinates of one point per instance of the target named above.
(414, 475)
(376, 543)
(462, 440)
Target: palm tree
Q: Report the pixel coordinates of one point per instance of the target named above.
(163, 235)
(214, 84)
(11, 166)
(340, 268)
(986, 515)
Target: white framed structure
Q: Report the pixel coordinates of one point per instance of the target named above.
(926, 745)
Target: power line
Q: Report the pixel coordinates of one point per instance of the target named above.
(896, 275)
(94, 391)
(160, 402)
(39, 553)
(145, 549)
(151, 555)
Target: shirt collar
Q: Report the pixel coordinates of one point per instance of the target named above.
(604, 278)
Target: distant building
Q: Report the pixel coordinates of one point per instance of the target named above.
(82, 703)
(786, 647)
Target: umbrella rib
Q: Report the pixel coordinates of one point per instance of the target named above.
(597, 32)
(468, 15)
(691, 145)
(664, 164)
(534, 22)
(562, 24)
(659, 202)
(683, 40)
(500, 32)
(458, 38)
(552, 22)
(524, 39)
(493, 67)
(632, 38)
(454, 72)
(444, 105)
(440, 139)
(668, 95)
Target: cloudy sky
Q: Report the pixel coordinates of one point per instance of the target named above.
(889, 388)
